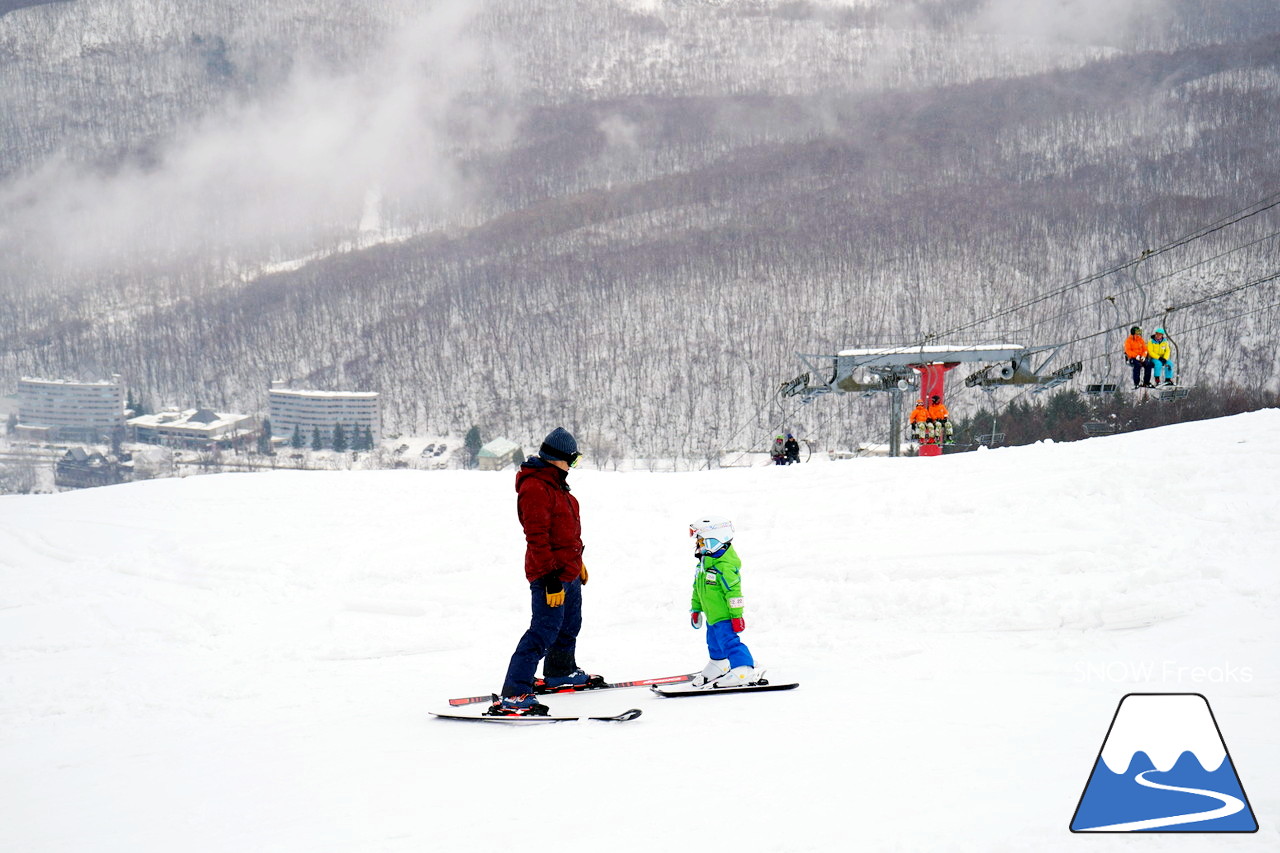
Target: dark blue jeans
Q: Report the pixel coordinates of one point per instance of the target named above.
(1141, 368)
(553, 634)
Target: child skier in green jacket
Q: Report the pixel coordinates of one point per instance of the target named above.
(717, 600)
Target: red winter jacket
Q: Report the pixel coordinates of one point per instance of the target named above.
(549, 515)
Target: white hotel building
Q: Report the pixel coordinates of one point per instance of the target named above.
(291, 410)
(59, 409)
(195, 428)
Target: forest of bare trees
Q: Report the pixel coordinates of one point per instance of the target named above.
(638, 213)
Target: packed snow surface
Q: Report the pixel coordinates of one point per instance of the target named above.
(245, 662)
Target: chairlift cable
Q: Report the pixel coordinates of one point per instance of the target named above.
(754, 418)
(776, 427)
(1233, 218)
(1181, 306)
(1239, 215)
(1131, 288)
(1229, 319)
(1003, 409)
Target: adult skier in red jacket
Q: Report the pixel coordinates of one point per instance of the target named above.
(553, 567)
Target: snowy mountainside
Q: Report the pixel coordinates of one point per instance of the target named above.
(245, 661)
(641, 202)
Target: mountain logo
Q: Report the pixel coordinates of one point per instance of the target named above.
(1164, 767)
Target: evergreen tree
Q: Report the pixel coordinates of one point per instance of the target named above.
(264, 437)
(339, 438)
(316, 442)
(473, 444)
(297, 442)
(1065, 415)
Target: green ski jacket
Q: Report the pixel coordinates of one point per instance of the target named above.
(717, 587)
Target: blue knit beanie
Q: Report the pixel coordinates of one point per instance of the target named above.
(559, 444)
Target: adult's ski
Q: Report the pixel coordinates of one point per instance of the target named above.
(539, 687)
(533, 719)
(760, 687)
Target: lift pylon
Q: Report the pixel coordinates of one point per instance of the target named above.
(933, 384)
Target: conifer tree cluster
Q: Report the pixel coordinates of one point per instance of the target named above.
(1068, 415)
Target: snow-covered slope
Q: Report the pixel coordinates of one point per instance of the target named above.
(245, 662)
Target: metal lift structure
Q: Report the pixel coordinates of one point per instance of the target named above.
(896, 370)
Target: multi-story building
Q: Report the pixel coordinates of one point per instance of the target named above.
(59, 409)
(307, 412)
(194, 428)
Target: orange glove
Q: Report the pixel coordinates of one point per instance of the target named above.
(583, 574)
(554, 590)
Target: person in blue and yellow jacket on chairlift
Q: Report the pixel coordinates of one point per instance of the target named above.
(1161, 355)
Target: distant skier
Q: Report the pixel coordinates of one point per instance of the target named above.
(1139, 358)
(793, 449)
(941, 420)
(1161, 356)
(779, 452)
(554, 569)
(920, 429)
(717, 602)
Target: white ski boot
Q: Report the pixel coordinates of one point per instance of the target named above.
(739, 676)
(713, 670)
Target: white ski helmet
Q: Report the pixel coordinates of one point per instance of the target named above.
(712, 533)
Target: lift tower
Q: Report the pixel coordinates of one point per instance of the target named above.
(895, 370)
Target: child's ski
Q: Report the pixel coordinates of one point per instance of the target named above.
(533, 719)
(673, 692)
(541, 688)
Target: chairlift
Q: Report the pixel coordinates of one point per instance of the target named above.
(1096, 428)
(1107, 384)
(1172, 392)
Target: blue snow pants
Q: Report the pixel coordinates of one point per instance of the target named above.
(552, 633)
(723, 643)
(1163, 370)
